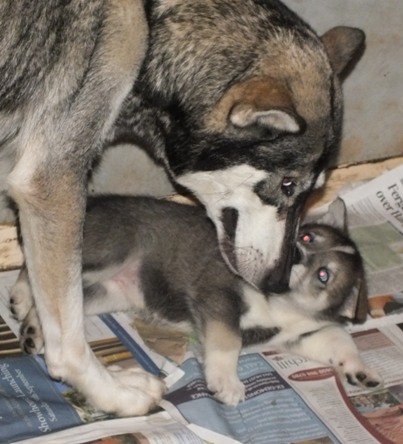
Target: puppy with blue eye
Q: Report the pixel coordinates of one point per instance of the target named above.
(162, 258)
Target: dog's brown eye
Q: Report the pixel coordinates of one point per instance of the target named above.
(323, 275)
(307, 238)
(288, 186)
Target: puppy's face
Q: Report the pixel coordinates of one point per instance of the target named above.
(327, 277)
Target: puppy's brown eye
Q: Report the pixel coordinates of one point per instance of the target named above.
(323, 275)
(288, 186)
(307, 238)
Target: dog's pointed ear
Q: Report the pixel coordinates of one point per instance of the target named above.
(260, 103)
(247, 115)
(343, 45)
(335, 216)
(265, 103)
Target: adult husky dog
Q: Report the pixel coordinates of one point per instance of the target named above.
(239, 99)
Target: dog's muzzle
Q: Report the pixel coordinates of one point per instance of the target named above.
(266, 268)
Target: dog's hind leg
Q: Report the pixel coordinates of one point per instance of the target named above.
(21, 299)
(31, 336)
(118, 293)
(58, 140)
(23, 309)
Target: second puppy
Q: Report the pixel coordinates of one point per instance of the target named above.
(162, 258)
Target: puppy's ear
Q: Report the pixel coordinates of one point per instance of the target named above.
(343, 45)
(260, 103)
(355, 308)
(335, 216)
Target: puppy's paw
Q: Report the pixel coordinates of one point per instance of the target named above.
(357, 373)
(21, 300)
(31, 337)
(136, 377)
(133, 392)
(226, 388)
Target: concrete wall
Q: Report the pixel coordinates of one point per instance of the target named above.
(126, 169)
(374, 90)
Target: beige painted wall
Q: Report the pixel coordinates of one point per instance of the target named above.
(374, 91)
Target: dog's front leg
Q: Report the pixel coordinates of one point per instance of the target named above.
(221, 352)
(332, 345)
(51, 230)
(61, 131)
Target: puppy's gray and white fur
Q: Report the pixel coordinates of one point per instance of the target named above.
(162, 258)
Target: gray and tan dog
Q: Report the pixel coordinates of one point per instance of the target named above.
(239, 99)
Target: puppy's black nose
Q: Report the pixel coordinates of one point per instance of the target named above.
(277, 287)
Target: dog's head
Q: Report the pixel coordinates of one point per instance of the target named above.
(254, 104)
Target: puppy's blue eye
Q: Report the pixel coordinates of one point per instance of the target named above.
(323, 275)
(307, 237)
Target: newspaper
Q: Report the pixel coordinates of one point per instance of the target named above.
(35, 408)
(289, 399)
(375, 217)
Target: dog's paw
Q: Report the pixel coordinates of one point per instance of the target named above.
(21, 300)
(31, 337)
(136, 377)
(133, 392)
(357, 373)
(226, 388)
(367, 378)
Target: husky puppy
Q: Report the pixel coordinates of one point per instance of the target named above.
(162, 258)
